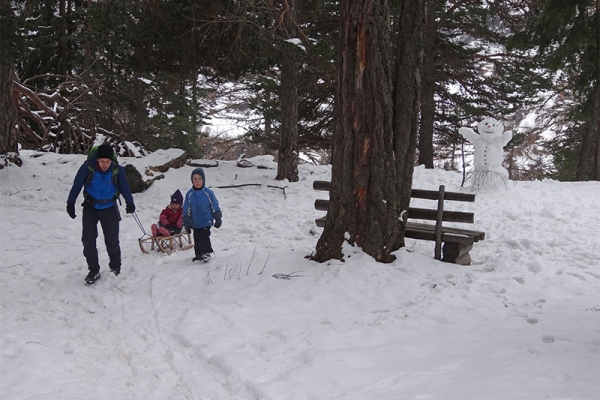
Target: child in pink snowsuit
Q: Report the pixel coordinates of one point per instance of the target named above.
(170, 222)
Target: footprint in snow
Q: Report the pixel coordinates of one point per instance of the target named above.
(534, 267)
(548, 339)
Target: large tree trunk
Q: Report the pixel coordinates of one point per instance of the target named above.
(428, 91)
(585, 162)
(287, 164)
(596, 176)
(596, 133)
(8, 116)
(62, 38)
(364, 206)
(408, 76)
(586, 166)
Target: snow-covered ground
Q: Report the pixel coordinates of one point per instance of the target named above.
(522, 322)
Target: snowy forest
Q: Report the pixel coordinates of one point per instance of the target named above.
(153, 73)
(283, 103)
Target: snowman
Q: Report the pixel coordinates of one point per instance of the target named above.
(488, 172)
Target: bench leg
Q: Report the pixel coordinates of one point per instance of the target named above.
(457, 253)
(465, 259)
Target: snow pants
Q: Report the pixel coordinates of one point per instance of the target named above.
(109, 220)
(171, 228)
(202, 243)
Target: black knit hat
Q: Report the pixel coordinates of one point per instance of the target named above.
(105, 151)
(177, 197)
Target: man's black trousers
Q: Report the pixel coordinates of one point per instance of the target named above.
(109, 220)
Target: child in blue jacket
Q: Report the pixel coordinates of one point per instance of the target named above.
(200, 208)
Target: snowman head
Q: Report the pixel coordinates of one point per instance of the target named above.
(490, 127)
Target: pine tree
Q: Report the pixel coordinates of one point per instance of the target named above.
(566, 38)
(375, 129)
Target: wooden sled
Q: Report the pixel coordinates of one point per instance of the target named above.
(166, 244)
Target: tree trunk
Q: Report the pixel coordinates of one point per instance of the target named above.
(596, 134)
(585, 153)
(364, 205)
(8, 116)
(408, 76)
(62, 38)
(585, 165)
(287, 165)
(428, 91)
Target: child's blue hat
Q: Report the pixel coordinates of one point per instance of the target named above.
(199, 171)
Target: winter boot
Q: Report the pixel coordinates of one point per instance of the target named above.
(92, 277)
(163, 231)
(154, 230)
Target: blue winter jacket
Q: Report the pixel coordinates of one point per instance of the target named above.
(102, 188)
(200, 207)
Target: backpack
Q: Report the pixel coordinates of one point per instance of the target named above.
(92, 171)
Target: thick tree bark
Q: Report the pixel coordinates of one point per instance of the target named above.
(287, 165)
(8, 116)
(587, 166)
(62, 38)
(428, 91)
(596, 176)
(408, 76)
(363, 208)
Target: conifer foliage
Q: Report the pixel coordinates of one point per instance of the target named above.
(150, 72)
(565, 36)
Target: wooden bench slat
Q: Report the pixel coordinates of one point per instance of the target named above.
(415, 193)
(477, 235)
(446, 237)
(418, 213)
(322, 185)
(321, 205)
(450, 216)
(433, 195)
(420, 231)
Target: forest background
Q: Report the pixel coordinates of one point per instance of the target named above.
(155, 73)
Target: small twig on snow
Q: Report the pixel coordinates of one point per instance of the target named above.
(11, 266)
(225, 274)
(264, 266)
(252, 184)
(236, 186)
(208, 276)
(19, 191)
(41, 344)
(248, 270)
(286, 276)
(278, 187)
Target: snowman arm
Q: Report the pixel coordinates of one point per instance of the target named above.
(506, 136)
(468, 134)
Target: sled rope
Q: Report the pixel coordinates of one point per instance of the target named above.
(137, 219)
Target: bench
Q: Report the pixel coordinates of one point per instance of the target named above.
(457, 242)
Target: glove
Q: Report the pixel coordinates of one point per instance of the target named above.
(188, 228)
(71, 210)
(217, 216)
(130, 208)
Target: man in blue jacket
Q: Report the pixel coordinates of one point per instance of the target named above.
(102, 180)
